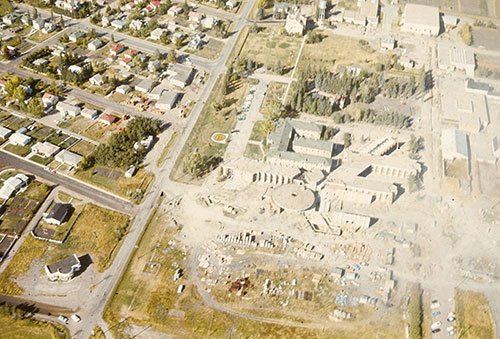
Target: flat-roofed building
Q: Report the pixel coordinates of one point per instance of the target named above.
(454, 144)
(452, 57)
(68, 158)
(45, 149)
(421, 19)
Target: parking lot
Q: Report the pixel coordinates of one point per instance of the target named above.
(442, 311)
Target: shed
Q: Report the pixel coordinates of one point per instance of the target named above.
(57, 214)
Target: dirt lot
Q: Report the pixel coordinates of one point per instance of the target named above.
(486, 38)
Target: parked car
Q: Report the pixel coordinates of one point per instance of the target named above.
(76, 318)
(62, 319)
(435, 314)
(436, 324)
(435, 304)
(437, 330)
(451, 317)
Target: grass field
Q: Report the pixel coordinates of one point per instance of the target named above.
(41, 160)
(166, 150)
(23, 328)
(270, 46)
(259, 130)
(5, 7)
(98, 232)
(335, 50)
(83, 147)
(88, 128)
(210, 51)
(209, 122)
(124, 187)
(40, 37)
(253, 151)
(474, 319)
(18, 149)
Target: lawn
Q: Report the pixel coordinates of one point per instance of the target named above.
(259, 130)
(474, 318)
(21, 328)
(335, 50)
(83, 147)
(275, 92)
(66, 198)
(270, 46)
(61, 230)
(253, 151)
(98, 232)
(166, 150)
(211, 50)
(88, 128)
(41, 160)
(124, 187)
(211, 121)
(18, 149)
(40, 37)
(5, 7)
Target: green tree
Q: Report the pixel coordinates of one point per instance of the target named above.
(466, 34)
(193, 164)
(273, 110)
(261, 13)
(347, 140)
(35, 107)
(171, 56)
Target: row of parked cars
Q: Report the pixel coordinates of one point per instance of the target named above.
(450, 318)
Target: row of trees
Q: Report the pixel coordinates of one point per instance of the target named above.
(119, 151)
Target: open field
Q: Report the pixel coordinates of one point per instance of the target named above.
(124, 187)
(97, 232)
(20, 328)
(40, 37)
(210, 51)
(335, 50)
(474, 319)
(270, 46)
(88, 128)
(83, 148)
(486, 38)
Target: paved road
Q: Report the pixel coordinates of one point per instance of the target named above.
(95, 307)
(97, 195)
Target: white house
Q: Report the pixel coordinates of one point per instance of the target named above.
(49, 27)
(168, 100)
(136, 25)
(68, 158)
(94, 45)
(295, 23)
(38, 23)
(157, 33)
(64, 269)
(12, 184)
(5, 132)
(19, 139)
(57, 214)
(49, 99)
(96, 80)
(144, 86)
(118, 24)
(67, 109)
(90, 113)
(45, 149)
(156, 93)
(75, 69)
(123, 89)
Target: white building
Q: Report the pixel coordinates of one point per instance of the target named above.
(295, 23)
(68, 158)
(49, 99)
(420, 19)
(45, 149)
(96, 80)
(64, 269)
(67, 109)
(19, 139)
(90, 113)
(5, 132)
(12, 184)
(454, 144)
(452, 57)
(168, 100)
(144, 86)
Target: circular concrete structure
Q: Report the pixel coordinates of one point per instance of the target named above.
(293, 197)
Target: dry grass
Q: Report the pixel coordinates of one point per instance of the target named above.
(270, 46)
(29, 328)
(335, 50)
(97, 232)
(474, 319)
(124, 187)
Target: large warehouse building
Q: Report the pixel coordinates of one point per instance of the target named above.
(421, 19)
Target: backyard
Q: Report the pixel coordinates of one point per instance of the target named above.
(98, 232)
(269, 46)
(89, 128)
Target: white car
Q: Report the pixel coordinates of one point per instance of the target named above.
(75, 318)
(450, 328)
(435, 304)
(436, 325)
